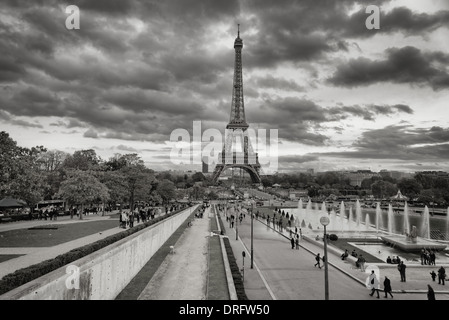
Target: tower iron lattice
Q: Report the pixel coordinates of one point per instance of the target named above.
(236, 130)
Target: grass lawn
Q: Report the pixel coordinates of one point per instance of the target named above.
(6, 257)
(52, 237)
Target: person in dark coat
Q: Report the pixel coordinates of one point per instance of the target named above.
(318, 260)
(292, 242)
(441, 275)
(430, 293)
(401, 268)
(387, 287)
(433, 275)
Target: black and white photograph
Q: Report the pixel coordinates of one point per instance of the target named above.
(224, 154)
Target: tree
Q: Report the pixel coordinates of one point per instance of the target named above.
(198, 176)
(82, 160)
(328, 178)
(82, 188)
(410, 187)
(52, 160)
(20, 176)
(167, 190)
(425, 180)
(115, 181)
(382, 189)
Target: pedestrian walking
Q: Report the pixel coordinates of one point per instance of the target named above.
(361, 260)
(318, 259)
(401, 268)
(374, 284)
(297, 242)
(433, 275)
(441, 275)
(430, 293)
(292, 241)
(387, 287)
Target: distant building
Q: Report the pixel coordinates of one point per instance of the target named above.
(297, 194)
(356, 177)
(310, 171)
(397, 175)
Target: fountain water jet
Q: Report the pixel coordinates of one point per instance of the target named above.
(378, 217)
(351, 218)
(358, 213)
(390, 222)
(447, 224)
(425, 233)
(406, 219)
(367, 222)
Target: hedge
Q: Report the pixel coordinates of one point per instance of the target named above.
(25, 275)
(236, 275)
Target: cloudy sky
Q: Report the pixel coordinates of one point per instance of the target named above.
(342, 97)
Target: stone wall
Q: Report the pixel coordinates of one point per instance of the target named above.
(103, 274)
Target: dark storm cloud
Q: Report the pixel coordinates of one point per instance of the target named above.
(399, 19)
(402, 65)
(403, 19)
(117, 83)
(270, 82)
(297, 159)
(400, 142)
(301, 120)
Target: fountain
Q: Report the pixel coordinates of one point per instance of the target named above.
(381, 225)
(411, 241)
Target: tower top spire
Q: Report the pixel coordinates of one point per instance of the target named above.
(238, 43)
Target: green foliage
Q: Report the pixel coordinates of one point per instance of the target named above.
(236, 275)
(166, 190)
(82, 187)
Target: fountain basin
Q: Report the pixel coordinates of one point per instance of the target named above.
(401, 242)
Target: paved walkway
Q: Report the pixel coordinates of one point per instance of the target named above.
(183, 274)
(418, 276)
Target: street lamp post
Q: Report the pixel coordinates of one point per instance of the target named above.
(325, 221)
(237, 223)
(252, 218)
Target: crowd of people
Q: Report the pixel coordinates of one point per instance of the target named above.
(143, 214)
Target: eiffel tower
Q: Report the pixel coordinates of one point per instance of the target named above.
(236, 130)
